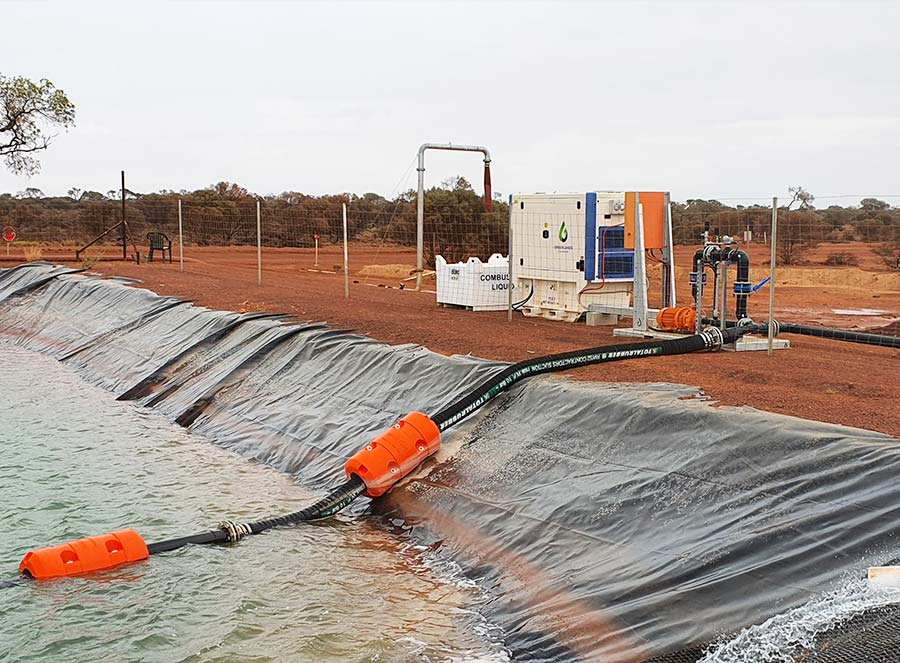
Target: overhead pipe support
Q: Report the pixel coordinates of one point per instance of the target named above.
(420, 195)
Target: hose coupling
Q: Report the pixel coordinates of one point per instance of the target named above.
(234, 531)
(713, 338)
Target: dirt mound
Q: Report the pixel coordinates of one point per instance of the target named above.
(892, 329)
(391, 271)
(842, 277)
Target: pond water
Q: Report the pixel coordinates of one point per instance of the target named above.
(75, 462)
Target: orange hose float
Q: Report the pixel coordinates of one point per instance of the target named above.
(677, 318)
(94, 553)
(395, 453)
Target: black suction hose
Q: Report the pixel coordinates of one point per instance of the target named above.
(229, 532)
(880, 340)
(841, 335)
(710, 339)
(343, 495)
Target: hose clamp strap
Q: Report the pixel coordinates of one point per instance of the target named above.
(234, 531)
(713, 338)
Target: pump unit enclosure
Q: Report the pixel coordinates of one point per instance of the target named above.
(570, 251)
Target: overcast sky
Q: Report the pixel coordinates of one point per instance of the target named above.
(710, 99)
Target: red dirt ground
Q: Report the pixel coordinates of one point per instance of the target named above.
(829, 381)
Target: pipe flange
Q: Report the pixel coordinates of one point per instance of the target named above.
(713, 338)
(746, 322)
(776, 327)
(708, 252)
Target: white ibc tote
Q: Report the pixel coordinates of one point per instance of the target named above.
(473, 284)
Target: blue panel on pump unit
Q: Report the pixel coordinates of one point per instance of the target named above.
(590, 236)
(614, 237)
(618, 264)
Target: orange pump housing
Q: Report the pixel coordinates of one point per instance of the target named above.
(85, 555)
(677, 318)
(395, 453)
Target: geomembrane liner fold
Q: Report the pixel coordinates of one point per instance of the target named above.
(605, 522)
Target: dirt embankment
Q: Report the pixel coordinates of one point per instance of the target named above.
(828, 381)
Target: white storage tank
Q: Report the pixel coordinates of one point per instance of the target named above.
(473, 284)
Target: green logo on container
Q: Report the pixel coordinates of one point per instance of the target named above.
(563, 233)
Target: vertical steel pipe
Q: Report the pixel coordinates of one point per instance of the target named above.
(180, 238)
(771, 335)
(346, 256)
(258, 245)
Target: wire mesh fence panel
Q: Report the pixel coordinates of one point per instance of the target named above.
(833, 237)
(51, 222)
(744, 225)
(459, 237)
(301, 228)
(219, 223)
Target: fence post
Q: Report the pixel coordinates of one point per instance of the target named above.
(180, 238)
(124, 224)
(771, 335)
(420, 219)
(509, 267)
(346, 257)
(258, 246)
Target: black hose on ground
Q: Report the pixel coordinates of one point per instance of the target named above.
(841, 335)
(710, 339)
(880, 340)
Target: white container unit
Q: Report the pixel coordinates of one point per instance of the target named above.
(558, 255)
(473, 284)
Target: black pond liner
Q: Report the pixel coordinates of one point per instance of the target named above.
(605, 522)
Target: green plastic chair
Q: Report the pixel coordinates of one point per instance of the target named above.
(159, 242)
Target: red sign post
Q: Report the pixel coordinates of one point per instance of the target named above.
(9, 236)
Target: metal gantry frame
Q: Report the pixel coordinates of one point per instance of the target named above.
(420, 196)
(640, 311)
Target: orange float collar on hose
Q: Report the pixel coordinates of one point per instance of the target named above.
(395, 453)
(94, 553)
